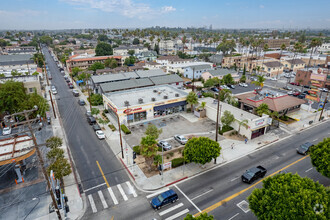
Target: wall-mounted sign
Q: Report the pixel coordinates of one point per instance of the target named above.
(316, 99)
(131, 110)
(259, 122)
(318, 77)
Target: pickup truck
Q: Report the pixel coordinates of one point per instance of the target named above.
(254, 173)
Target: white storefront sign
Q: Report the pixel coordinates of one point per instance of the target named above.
(167, 165)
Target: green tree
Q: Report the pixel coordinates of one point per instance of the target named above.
(14, 73)
(35, 73)
(111, 63)
(244, 70)
(228, 79)
(227, 118)
(12, 96)
(2, 75)
(84, 76)
(96, 99)
(201, 150)
(61, 168)
(243, 123)
(33, 99)
(209, 83)
(260, 81)
(148, 149)
(75, 71)
(130, 61)
(38, 58)
(103, 49)
(224, 94)
(157, 48)
(136, 41)
(262, 109)
(131, 52)
(153, 131)
(202, 216)
(54, 154)
(243, 79)
(320, 157)
(316, 42)
(96, 66)
(95, 111)
(54, 142)
(46, 40)
(192, 99)
(103, 37)
(289, 196)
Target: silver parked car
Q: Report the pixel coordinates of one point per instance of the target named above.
(165, 145)
(181, 139)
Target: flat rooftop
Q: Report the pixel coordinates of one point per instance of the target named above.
(133, 95)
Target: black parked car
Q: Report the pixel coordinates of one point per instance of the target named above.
(304, 148)
(254, 173)
(91, 120)
(81, 102)
(96, 127)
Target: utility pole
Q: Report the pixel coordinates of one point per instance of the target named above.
(46, 73)
(325, 101)
(89, 94)
(218, 116)
(42, 165)
(51, 100)
(193, 81)
(121, 141)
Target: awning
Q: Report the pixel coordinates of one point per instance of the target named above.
(162, 107)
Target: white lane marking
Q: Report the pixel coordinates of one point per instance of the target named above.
(94, 187)
(177, 214)
(122, 192)
(131, 188)
(315, 139)
(91, 201)
(202, 194)
(234, 179)
(309, 170)
(105, 205)
(158, 192)
(233, 216)
(113, 197)
(188, 198)
(170, 209)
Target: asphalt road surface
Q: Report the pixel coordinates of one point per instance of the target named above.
(90, 154)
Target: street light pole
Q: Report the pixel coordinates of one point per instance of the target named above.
(121, 141)
(325, 101)
(218, 116)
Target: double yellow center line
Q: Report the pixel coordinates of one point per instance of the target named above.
(105, 179)
(218, 204)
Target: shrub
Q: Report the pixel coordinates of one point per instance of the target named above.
(224, 129)
(136, 149)
(106, 111)
(171, 154)
(176, 162)
(208, 94)
(125, 129)
(167, 157)
(112, 127)
(159, 149)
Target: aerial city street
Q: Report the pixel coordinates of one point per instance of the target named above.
(153, 110)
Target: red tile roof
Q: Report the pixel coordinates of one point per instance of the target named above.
(94, 58)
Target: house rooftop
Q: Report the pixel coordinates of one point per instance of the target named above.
(125, 84)
(221, 72)
(166, 79)
(160, 93)
(273, 64)
(15, 59)
(199, 67)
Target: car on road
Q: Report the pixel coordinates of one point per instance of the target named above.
(243, 84)
(88, 113)
(81, 102)
(231, 86)
(96, 127)
(165, 145)
(290, 93)
(301, 96)
(253, 79)
(323, 89)
(294, 83)
(296, 93)
(224, 87)
(304, 148)
(306, 86)
(91, 120)
(6, 131)
(54, 91)
(273, 79)
(215, 89)
(254, 173)
(100, 134)
(181, 139)
(287, 88)
(75, 93)
(163, 199)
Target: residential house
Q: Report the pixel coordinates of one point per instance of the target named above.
(146, 56)
(277, 43)
(194, 71)
(293, 64)
(273, 68)
(219, 73)
(31, 82)
(123, 50)
(152, 65)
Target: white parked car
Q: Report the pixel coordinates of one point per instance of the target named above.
(181, 139)
(54, 91)
(273, 79)
(100, 134)
(245, 85)
(6, 131)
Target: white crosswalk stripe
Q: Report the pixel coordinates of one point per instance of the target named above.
(113, 197)
(158, 192)
(122, 192)
(105, 205)
(170, 209)
(177, 214)
(131, 188)
(91, 201)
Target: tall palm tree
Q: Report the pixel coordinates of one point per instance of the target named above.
(316, 42)
(192, 99)
(283, 47)
(243, 123)
(260, 81)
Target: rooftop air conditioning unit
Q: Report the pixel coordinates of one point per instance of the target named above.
(155, 90)
(126, 103)
(165, 97)
(153, 99)
(140, 101)
(176, 94)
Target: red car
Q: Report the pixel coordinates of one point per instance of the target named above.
(296, 93)
(70, 85)
(295, 84)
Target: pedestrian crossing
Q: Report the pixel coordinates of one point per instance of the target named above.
(103, 199)
(172, 211)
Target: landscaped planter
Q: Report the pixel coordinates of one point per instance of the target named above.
(200, 113)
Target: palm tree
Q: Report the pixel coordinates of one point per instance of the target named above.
(316, 42)
(260, 81)
(192, 99)
(283, 47)
(263, 109)
(243, 123)
(203, 104)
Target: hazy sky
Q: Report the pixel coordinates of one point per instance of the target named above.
(62, 14)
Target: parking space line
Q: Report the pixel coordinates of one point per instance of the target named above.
(187, 198)
(113, 197)
(233, 216)
(234, 179)
(91, 201)
(105, 205)
(309, 169)
(131, 188)
(202, 194)
(171, 209)
(177, 214)
(157, 193)
(122, 192)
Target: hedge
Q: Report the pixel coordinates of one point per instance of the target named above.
(225, 129)
(125, 129)
(112, 127)
(136, 149)
(177, 162)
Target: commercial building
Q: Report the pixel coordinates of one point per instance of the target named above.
(144, 104)
(84, 62)
(220, 73)
(123, 50)
(276, 101)
(256, 125)
(10, 50)
(277, 43)
(22, 63)
(304, 77)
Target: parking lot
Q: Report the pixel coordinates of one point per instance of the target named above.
(173, 125)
